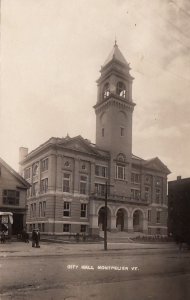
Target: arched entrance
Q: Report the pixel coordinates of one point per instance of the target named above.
(138, 221)
(101, 218)
(121, 219)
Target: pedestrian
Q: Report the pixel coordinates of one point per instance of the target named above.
(36, 238)
(25, 235)
(84, 237)
(2, 237)
(77, 237)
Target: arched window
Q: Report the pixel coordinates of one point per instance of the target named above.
(121, 89)
(106, 90)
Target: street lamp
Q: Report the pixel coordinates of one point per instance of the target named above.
(105, 218)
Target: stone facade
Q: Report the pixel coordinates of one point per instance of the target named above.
(70, 177)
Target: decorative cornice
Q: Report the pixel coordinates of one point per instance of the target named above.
(114, 100)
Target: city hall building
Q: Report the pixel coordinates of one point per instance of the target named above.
(69, 176)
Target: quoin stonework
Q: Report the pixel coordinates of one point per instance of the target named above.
(68, 176)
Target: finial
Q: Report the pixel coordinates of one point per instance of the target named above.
(115, 41)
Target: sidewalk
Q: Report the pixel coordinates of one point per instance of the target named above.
(19, 249)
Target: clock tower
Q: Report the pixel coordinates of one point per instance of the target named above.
(114, 110)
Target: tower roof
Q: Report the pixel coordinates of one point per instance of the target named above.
(115, 54)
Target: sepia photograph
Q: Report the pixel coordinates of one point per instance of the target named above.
(94, 149)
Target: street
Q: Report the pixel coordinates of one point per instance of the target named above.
(59, 271)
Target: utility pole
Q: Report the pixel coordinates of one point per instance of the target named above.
(105, 218)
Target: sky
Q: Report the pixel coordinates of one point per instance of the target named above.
(51, 54)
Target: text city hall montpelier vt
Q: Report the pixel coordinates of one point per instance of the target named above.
(68, 176)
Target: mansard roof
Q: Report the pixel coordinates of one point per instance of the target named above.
(14, 173)
(115, 54)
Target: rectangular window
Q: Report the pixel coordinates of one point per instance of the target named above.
(83, 228)
(158, 195)
(31, 210)
(120, 172)
(83, 185)
(35, 189)
(147, 179)
(100, 189)
(34, 211)
(43, 227)
(135, 178)
(158, 217)
(67, 209)
(40, 209)
(11, 197)
(44, 185)
(158, 181)
(101, 171)
(83, 212)
(44, 164)
(122, 131)
(135, 194)
(66, 182)
(147, 193)
(66, 227)
(149, 215)
(44, 209)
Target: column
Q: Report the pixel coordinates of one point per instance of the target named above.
(130, 224)
(113, 223)
(94, 229)
(145, 226)
(76, 176)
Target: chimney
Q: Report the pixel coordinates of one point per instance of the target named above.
(23, 152)
(178, 177)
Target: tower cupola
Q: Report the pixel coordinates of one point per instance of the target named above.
(115, 78)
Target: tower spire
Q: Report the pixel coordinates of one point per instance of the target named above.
(115, 41)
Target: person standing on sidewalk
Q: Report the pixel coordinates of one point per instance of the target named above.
(36, 238)
(3, 237)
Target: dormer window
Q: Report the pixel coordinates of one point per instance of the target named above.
(121, 89)
(106, 90)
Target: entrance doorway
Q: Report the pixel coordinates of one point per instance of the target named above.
(17, 223)
(120, 219)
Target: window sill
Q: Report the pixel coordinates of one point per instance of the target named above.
(119, 179)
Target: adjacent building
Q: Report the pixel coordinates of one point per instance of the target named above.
(70, 177)
(179, 209)
(13, 191)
